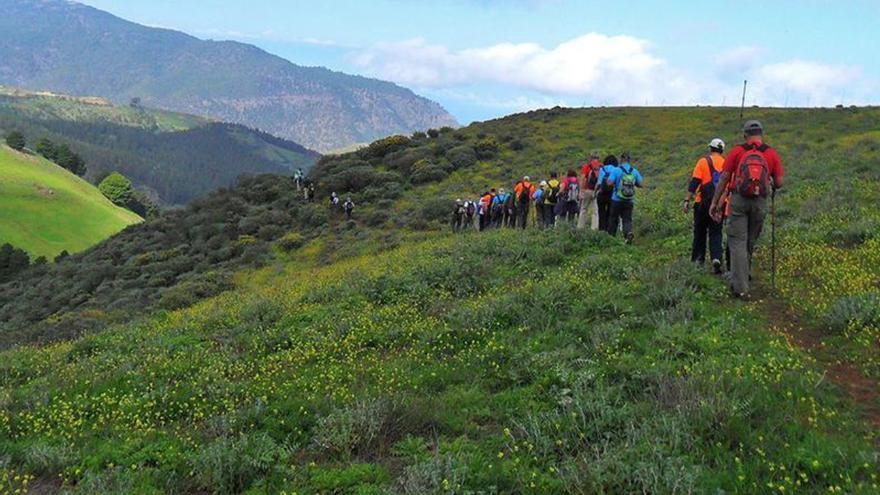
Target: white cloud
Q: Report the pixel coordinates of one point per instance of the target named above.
(613, 68)
(599, 69)
(738, 60)
(808, 83)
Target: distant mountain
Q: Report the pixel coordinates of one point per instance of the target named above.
(176, 156)
(64, 46)
(45, 209)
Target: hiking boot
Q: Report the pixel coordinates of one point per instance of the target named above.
(629, 238)
(716, 267)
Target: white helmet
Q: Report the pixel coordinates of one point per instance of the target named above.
(717, 144)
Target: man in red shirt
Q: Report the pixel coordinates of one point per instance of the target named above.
(752, 172)
(589, 176)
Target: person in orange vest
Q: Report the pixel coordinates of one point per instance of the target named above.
(523, 191)
(701, 189)
(486, 209)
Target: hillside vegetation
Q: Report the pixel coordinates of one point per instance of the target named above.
(45, 209)
(68, 47)
(386, 355)
(176, 156)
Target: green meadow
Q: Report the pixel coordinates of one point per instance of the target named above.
(45, 209)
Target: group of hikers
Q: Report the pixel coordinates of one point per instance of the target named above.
(607, 189)
(731, 191)
(307, 188)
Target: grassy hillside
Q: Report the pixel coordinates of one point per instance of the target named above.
(52, 106)
(44, 209)
(386, 355)
(177, 156)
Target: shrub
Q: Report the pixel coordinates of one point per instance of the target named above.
(403, 160)
(191, 291)
(863, 310)
(232, 464)
(117, 188)
(381, 147)
(358, 428)
(432, 209)
(461, 157)
(425, 171)
(291, 241)
(352, 479)
(16, 140)
(487, 148)
(433, 133)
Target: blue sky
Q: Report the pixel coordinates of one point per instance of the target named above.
(486, 58)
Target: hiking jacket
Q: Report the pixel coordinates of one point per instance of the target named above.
(703, 174)
(616, 177)
(586, 170)
(518, 189)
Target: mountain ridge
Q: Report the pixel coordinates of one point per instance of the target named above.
(45, 41)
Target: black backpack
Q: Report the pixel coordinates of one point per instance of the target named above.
(524, 194)
(605, 187)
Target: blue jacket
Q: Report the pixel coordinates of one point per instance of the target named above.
(616, 177)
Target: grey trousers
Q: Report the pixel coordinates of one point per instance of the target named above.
(588, 203)
(746, 222)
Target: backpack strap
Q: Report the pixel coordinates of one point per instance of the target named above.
(710, 163)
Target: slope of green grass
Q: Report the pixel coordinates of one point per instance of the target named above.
(386, 355)
(45, 209)
(48, 106)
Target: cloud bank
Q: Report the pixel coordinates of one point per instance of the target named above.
(599, 69)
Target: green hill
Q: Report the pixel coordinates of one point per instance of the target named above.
(176, 156)
(386, 355)
(45, 209)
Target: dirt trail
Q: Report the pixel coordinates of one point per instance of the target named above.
(863, 390)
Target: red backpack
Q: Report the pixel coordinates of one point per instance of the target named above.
(753, 173)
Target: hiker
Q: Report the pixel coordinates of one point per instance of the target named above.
(701, 189)
(348, 207)
(626, 179)
(523, 191)
(458, 215)
(589, 180)
(551, 199)
(510, 211)
(470, 209)
(569, 197)
(752, 172)
(485, 209)
(298, 179)
(498, 209)
(538, 197)
(310, 192)
(334, 201)
(603, 191)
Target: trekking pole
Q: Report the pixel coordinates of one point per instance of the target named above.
(773, 240)
(743, 105)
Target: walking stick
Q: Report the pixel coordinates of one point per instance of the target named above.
(773, 240)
